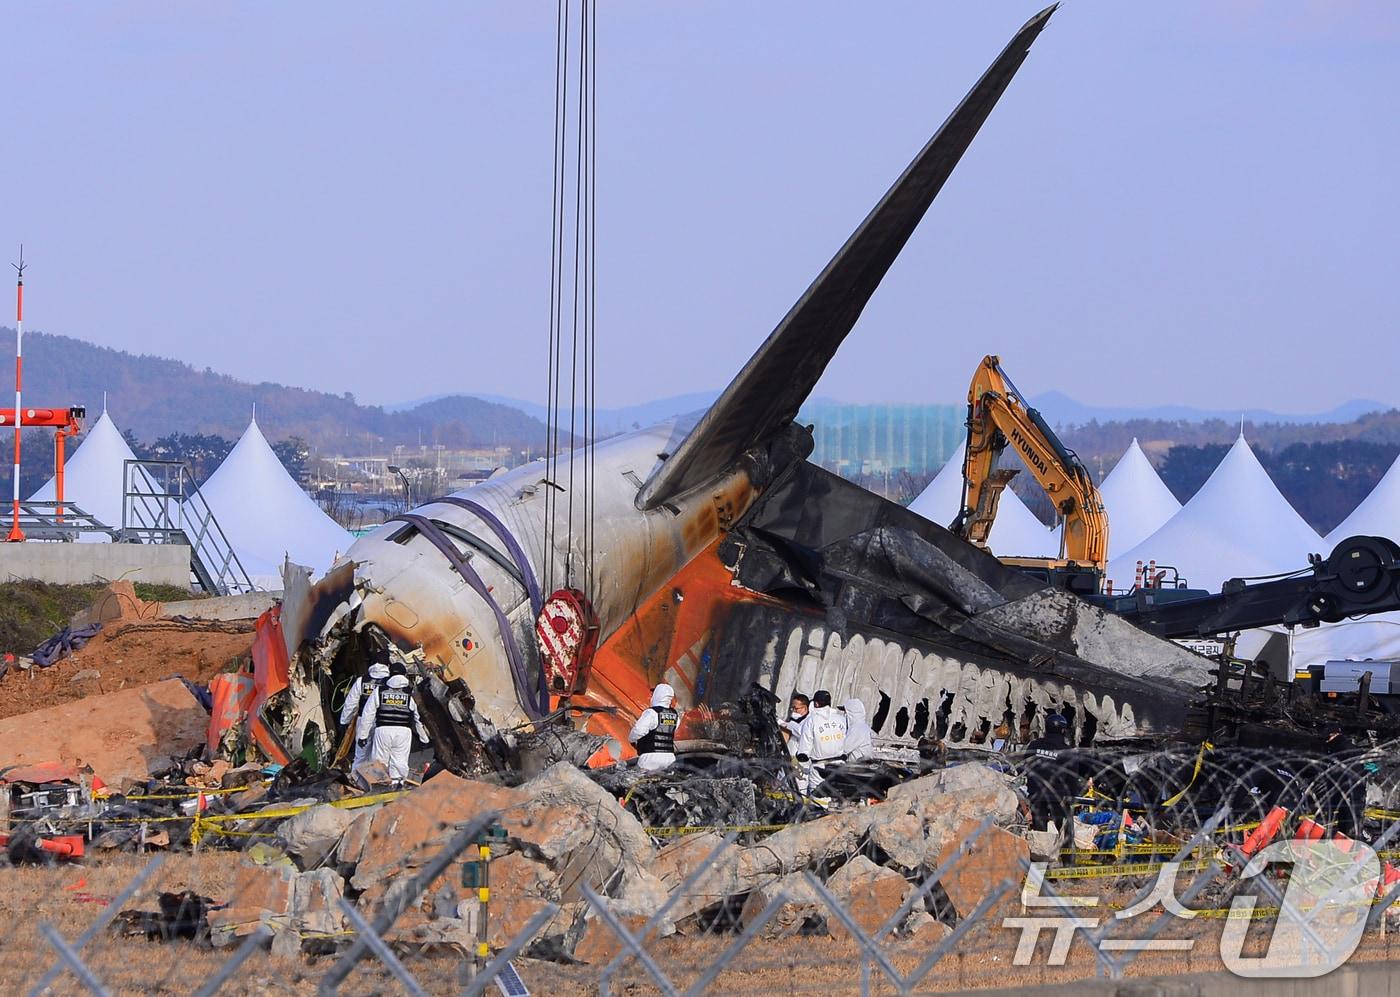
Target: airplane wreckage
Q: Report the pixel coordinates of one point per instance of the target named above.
(720, 560)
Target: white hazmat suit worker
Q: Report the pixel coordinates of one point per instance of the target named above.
(860, 740)
(822, 739)
(387, 725)
(654, 733)
(361, 690)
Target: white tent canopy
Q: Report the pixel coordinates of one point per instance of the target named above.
(1237, 525)
(1016, 532)
(1137, 501)
(1378, 515)
(266, 515)
(92, 476)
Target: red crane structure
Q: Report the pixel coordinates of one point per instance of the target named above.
(65, 422)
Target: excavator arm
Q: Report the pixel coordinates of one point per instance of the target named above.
(997, 417)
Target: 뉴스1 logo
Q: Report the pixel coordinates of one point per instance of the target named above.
(1321, 914)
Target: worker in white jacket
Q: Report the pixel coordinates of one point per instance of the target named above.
(822, 739)
(860, 741)
(654, 733)
(387, 724)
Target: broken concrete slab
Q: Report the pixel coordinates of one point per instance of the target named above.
(127, 735)
(248, 606)
(902, 839)
(562, 783)
(970, 775)
(258, 893)
(870, 893)
(312, 835)
(802, 910)
(315, 907)
(995, 856)
(965, 804)
(408, 832)
(599, 944)
(923, 929)
(810, 845)
(281, 898)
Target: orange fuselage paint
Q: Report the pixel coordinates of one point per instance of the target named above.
(664, 641)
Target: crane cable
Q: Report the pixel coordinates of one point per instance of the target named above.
(572, 299)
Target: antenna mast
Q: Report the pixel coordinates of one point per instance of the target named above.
(16, 534)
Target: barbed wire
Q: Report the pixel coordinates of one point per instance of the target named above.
(884, 878)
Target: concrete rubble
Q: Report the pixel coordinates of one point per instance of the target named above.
(564, 833)
(309, 838)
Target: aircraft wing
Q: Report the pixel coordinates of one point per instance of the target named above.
(772, 386)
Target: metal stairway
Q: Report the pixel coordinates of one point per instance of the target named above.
(162, 504)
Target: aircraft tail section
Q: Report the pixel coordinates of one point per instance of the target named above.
(767, 393)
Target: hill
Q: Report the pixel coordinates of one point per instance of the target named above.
(151, 397)
(1061, 410)
(609, 421)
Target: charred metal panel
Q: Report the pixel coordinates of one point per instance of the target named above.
(308, 607)
(914, 688)
(812, 509)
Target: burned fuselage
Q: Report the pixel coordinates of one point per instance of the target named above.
(716, 557)
(780, 574)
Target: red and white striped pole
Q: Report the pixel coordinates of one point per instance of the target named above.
(15, 533)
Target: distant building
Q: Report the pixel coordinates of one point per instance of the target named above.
(860, 440)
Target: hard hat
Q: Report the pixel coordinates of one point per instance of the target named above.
(1057, 721)
(378, 671)
(398, 682)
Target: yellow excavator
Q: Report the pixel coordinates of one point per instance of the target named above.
(998, 416)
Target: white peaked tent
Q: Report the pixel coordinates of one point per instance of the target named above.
(1137, 501)
(92, 476)
(1016, 532)
(1237, 525)
(265, 514)
(1378, 515)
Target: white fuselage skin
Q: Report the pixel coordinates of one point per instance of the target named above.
(413, 592)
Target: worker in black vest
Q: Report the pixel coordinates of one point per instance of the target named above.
(387, 725)
(1051, 774)
(654, 733)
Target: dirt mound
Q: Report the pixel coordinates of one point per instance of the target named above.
(32, 612)
(126, 653)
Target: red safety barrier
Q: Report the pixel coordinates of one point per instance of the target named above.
(1265, 832)
(65, 846)
(1310, 830)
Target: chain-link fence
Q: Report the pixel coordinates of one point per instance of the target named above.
(1003, 871)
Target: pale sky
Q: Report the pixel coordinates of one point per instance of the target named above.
(1190, 202)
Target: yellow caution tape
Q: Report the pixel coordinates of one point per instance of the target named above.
(1109, 871)
(1200, 759)
(1226, 913)
(699, 829)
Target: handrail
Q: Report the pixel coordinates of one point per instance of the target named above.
(149, 490)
